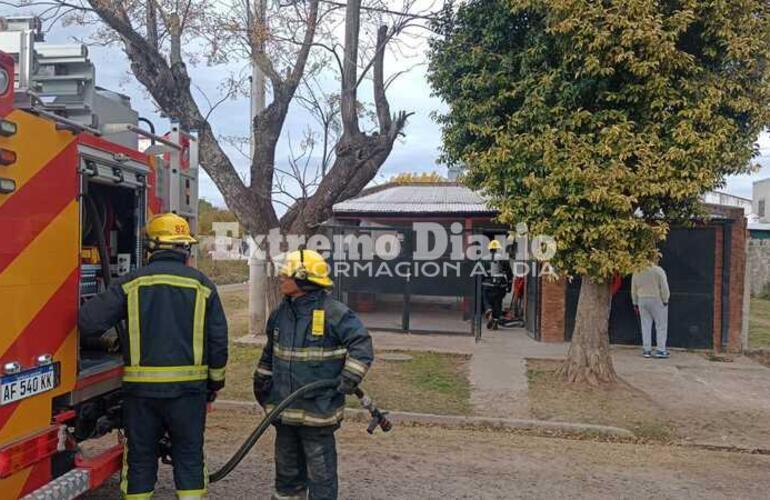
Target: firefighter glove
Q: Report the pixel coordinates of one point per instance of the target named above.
(347, 385)
(262, 387)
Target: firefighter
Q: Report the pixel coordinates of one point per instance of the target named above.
(310, 336)
(495, 285)
(175, 351)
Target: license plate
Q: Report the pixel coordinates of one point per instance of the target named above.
(26, 384)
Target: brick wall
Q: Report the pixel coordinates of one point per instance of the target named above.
(553, 303)
(736, 288)
(553, 293)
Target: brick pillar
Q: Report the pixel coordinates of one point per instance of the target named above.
(737, 276)
(552, 309)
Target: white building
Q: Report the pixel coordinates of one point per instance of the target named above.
(761, 197)
(729, 200)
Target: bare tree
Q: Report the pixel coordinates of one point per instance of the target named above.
(161, 37)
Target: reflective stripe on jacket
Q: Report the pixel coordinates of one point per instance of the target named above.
(176, 340)
(311, 338)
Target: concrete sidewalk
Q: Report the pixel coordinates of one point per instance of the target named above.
(498, 371)
(710, 402)
(716, 403)
(720, 403)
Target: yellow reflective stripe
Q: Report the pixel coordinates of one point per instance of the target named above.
(170, 280)
(198, 327)
(264, 371)
(313, 349)
(124, 479)
(190, 494)
(217, 374)
(202, 294)
(355, 366)
(308, 353)
(124, 470)
(302, 417)
(134, 335)
(160, 374)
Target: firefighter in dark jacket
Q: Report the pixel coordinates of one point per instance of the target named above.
(495, 285)
(310, 337)
(175, 351)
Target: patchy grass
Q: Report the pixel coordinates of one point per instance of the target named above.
(621, 406)
(243, 359)
(759, 324)
(429, 383)
(223, 272)
(236, 304)
(240, 372)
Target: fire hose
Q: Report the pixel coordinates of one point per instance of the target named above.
(379, 419)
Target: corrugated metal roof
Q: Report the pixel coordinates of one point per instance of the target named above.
(759, 226)
(424, 198)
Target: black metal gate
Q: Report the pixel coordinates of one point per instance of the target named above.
(688, 259)
(532, 310)
(399, 293)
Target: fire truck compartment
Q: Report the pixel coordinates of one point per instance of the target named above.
(112, 217)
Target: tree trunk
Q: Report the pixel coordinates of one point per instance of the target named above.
(589, 361)
(273, 293)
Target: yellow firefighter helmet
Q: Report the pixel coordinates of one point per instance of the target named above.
(169, 229)
(307, 265)
(494, 245)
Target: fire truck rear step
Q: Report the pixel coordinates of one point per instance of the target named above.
(65, 487)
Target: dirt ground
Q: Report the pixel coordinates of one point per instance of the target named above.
(760, 356)
(690, 399)
(434, 463)
(621, 406)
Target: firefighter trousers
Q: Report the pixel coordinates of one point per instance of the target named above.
(493, 297)
(145, 421)
(305, 462)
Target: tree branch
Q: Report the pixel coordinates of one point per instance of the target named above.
(350, 66)
(299, 66)
(380, 99)
(152, 25)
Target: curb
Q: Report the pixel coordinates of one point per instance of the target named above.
(482, 423)
(727, 448)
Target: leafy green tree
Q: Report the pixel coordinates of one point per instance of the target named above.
(600, 123)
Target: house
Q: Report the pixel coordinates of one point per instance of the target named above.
(728, 200)
(759, 239)
(405, 203)
(761, 200)
(705, 263)
(404, 293)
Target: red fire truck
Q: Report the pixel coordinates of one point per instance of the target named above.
(75, 192)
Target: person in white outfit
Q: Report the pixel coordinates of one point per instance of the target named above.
(650, 294)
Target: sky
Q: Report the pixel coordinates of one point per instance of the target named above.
(418, 151)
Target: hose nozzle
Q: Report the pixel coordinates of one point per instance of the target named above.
(379, 418)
